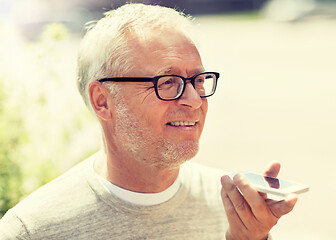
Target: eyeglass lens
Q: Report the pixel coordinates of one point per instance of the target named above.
(170, 87)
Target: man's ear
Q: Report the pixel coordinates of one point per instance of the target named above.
(99, 100)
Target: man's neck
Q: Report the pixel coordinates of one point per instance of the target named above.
(132, 175)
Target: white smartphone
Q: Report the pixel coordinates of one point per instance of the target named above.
(274, 186)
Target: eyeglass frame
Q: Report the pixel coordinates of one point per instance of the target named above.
(155, 79)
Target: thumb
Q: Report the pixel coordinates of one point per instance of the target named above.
(283, 207)
(273, 169)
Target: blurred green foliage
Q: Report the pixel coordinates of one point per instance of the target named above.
(54, 31)
(44, 126)
(12, 136)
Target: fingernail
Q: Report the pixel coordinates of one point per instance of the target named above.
(239, 177)
(223, 179)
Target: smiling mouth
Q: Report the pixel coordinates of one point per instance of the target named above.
(182, 123)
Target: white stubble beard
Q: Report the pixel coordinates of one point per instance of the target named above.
(142, 145)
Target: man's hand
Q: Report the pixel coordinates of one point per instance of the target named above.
(251, 214)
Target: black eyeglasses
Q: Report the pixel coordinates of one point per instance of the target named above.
(171, 87)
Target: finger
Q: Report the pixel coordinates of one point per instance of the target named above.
(283, 207)
(239, 203)
(273, 169)
(263, 195)
(256, 202)
(232, 215)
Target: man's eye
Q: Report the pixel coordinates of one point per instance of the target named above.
(167, 83)
(199, 80)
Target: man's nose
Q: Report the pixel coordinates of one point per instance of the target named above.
(190, 97)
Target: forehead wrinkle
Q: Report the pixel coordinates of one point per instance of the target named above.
(167, 71)
(177, 71)
(173, 51)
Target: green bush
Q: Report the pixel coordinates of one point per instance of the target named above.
(44, 126)
(12, 136)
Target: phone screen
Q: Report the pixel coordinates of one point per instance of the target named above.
(274, 185)
(273, 182)
(269, 181)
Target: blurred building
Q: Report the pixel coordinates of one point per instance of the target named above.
(32, 15)
(298, 10)
(196, 6)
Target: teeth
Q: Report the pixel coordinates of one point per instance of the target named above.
(182, 123)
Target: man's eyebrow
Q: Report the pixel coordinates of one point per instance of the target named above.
(166, 71)
(177, 71)
(197, 71)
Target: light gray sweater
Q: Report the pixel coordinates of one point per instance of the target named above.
(77, 206)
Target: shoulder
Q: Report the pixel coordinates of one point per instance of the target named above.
(69, 182)
(12, 228)
(58, 200)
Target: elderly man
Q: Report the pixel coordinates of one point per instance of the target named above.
(142, 77)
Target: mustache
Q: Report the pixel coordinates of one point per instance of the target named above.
(185, 114)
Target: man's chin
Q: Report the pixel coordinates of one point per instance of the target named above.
(177, 154)
(167, 154)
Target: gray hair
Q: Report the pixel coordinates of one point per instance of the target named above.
(104, 51)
